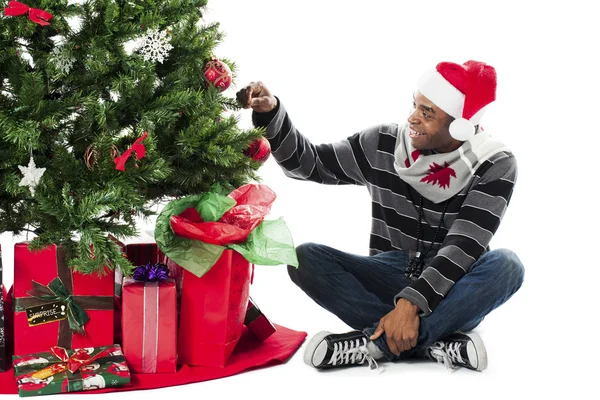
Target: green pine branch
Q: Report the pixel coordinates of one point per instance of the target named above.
(74, 98)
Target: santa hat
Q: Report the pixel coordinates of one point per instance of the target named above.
(462, 91)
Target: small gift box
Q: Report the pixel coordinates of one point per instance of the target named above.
(257, 323)
(56, 306)
(62, 371)
(139, 250)
(3, 341)
(6, 341)
(150, 320)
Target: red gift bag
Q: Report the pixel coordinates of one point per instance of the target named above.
(212, 310)
(150, 326)
(95, 294)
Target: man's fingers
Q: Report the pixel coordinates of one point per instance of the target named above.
(241, 96)
(413, 343)
(378, 332)
(259, 103)
(249, 92)
(407, 344)
(392, 346)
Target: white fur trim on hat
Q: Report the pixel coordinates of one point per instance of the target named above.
(442, 93)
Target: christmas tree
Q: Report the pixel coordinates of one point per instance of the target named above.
(107, 107)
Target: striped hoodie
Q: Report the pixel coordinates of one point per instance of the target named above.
(367, 158)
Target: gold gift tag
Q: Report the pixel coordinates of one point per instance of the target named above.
(46, 313)
(49, 371)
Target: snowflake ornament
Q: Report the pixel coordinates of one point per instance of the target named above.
(114, 96)
(155, 46)
(31, 175)
(62, 59)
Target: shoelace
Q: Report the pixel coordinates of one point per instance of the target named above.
(447, 353)
(352, 352)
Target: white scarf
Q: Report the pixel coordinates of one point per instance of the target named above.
(440, 176)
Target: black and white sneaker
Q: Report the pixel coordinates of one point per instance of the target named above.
(460, 349)
(328, 350)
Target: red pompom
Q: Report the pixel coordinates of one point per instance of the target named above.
(218, 74)
(259, 150)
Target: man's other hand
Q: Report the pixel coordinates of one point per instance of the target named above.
(401, 327)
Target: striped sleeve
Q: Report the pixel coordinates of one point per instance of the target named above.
(468, 237)
(339, 163)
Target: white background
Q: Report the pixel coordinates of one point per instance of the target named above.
(341, 66)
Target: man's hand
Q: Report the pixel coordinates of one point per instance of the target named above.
(257, 96)
(401, 327)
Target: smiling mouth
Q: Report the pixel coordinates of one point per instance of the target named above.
(414, 134)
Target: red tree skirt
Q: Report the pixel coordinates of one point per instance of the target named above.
(249, 353)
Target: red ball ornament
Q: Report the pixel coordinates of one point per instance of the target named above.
(259, 150)
(218, 74)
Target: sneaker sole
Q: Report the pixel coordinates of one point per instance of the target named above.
(479, 350)
(312, 346)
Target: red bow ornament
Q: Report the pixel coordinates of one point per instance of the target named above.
(137, 146)
(79, 358)
(38, 16)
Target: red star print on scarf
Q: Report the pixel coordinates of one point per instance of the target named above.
(439, 175)
(415, 154)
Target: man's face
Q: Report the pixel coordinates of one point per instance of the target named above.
(428, 127)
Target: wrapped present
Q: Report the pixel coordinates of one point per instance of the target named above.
(257, 323)
(62, 371)
(150, 323)
(3, 341)
(7, 351)
(213, 239)
(139, 250)
(56, 306)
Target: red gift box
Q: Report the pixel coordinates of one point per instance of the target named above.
(8, 329)
(94, 293)
(257, 323)
(150, 326)
(139, 251)
(212, 310)
(5, 328)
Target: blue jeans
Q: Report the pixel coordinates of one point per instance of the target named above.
(360, 290)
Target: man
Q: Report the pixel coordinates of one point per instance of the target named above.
(439, 186)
